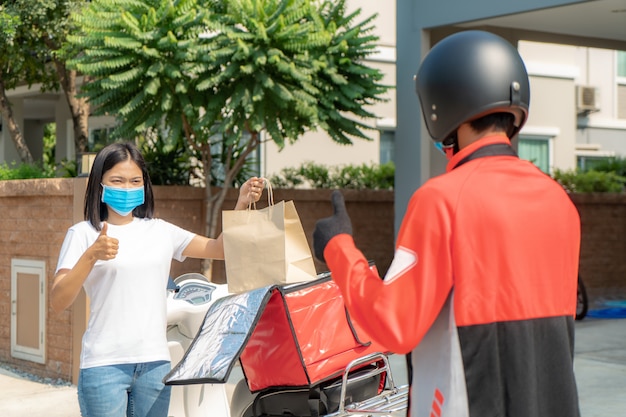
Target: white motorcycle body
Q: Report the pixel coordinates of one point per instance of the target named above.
(186, 308)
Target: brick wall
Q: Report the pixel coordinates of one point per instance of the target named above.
(35, 215)
(182, 206)
(603, 246)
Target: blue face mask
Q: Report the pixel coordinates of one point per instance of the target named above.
(448, 147)
(446, 151)
(122, 200)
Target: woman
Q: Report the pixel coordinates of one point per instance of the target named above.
(121, 255)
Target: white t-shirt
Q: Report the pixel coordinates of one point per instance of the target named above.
(128, 318)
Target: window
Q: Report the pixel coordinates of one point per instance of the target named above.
(586, 162)
(100, 137)
(621, 64)
(251, 166)
(387, 146)
(28, 312)
(590, 155)
(621, 84)
(535, 149)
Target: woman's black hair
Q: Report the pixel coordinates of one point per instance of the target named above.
(95, 210)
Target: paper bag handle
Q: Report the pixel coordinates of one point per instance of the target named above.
(270, 195)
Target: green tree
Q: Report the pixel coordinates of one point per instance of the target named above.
(221, 72)
(19, 62)
(31, 35)
(49, 24)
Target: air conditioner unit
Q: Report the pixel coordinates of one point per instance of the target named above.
(587, 99)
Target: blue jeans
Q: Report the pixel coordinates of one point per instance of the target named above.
(127, 390)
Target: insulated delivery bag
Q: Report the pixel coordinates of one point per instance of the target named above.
(292, 341)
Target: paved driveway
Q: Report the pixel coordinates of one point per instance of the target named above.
(600, 365)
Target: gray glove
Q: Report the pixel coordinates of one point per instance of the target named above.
(327, 228)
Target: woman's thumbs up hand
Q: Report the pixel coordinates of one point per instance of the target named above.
(105, 247)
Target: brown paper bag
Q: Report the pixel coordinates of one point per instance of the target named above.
(264, 247)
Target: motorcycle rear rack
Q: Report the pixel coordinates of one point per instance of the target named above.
(391, 400)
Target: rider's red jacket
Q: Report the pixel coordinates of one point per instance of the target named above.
(481, 291)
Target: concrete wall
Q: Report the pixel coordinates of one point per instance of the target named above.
(606, 127)
(552, 70)
(553, 115)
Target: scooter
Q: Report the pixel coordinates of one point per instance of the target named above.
(365, 388)
(189, 297)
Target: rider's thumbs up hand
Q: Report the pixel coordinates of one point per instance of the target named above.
(105, 247)
(329, 227)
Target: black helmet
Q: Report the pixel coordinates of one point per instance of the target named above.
(468, 75)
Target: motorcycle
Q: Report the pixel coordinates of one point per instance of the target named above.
(189, 297)
(365, 387)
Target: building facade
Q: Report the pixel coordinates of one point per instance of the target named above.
(573, 50)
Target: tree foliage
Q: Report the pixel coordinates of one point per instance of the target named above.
(31, 34)
(23, 58)
(21, 61)
(49, 23)
(221, 72)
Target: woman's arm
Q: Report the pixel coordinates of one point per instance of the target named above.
(208, 248)
(68, 282)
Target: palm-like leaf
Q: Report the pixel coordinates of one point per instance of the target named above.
(137, 52)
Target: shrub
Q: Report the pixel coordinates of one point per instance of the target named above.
(374, 177)
(615, 164)
(590, 181)
(23, 171)
(358, 177)
(167, 163)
